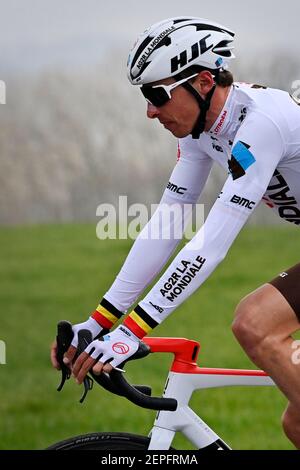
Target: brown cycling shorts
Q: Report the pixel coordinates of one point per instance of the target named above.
(288, 284)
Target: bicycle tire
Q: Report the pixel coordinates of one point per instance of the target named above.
(103, 441)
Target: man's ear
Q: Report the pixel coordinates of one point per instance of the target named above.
(204, 82)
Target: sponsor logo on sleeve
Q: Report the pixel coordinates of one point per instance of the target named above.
(279, 196)
(181, 278)
(176, 189)
(241, 160)
(159, 309)
(242, 201)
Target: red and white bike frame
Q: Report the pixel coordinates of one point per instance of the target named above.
(184, 378)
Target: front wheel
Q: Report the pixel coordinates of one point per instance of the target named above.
(103, 441)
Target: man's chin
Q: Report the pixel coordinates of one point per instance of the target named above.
(179, 133)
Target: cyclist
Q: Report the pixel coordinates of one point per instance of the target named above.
(180, 65)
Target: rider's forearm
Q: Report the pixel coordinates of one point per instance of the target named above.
(191, 267)
(150, 252)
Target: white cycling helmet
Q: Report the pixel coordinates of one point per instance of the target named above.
(171, 46)
(180, 48)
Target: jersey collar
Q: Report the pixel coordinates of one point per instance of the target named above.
(220, 125)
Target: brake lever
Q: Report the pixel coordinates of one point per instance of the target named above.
(88, 385)
(64, 338)
(84, 339)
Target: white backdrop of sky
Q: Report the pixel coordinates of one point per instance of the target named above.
(39, 33)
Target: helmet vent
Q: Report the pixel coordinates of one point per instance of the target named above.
(211, 27)
(223, 49)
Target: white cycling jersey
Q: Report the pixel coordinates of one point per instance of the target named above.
(257, 139)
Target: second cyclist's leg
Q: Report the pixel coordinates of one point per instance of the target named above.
(291, 424)
(264, 323)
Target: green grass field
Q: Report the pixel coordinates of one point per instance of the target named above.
(49, 273)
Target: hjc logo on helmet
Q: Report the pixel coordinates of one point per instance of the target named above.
(197, 49)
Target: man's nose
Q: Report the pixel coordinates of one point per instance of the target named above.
(152, 111)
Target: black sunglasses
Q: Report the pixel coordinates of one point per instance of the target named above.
(158, 95)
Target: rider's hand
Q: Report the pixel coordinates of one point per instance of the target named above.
(53, 356)
(90, 325)
(106, 353)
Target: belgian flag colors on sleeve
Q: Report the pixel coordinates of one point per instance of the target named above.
(106, 314)
(139, 322)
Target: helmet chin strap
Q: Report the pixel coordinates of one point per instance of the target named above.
(204, 105)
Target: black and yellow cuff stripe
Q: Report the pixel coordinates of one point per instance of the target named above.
(139, 322)
(106, 314)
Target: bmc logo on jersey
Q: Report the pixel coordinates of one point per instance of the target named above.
(176, 189)
(242, 201)
(183, 58)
